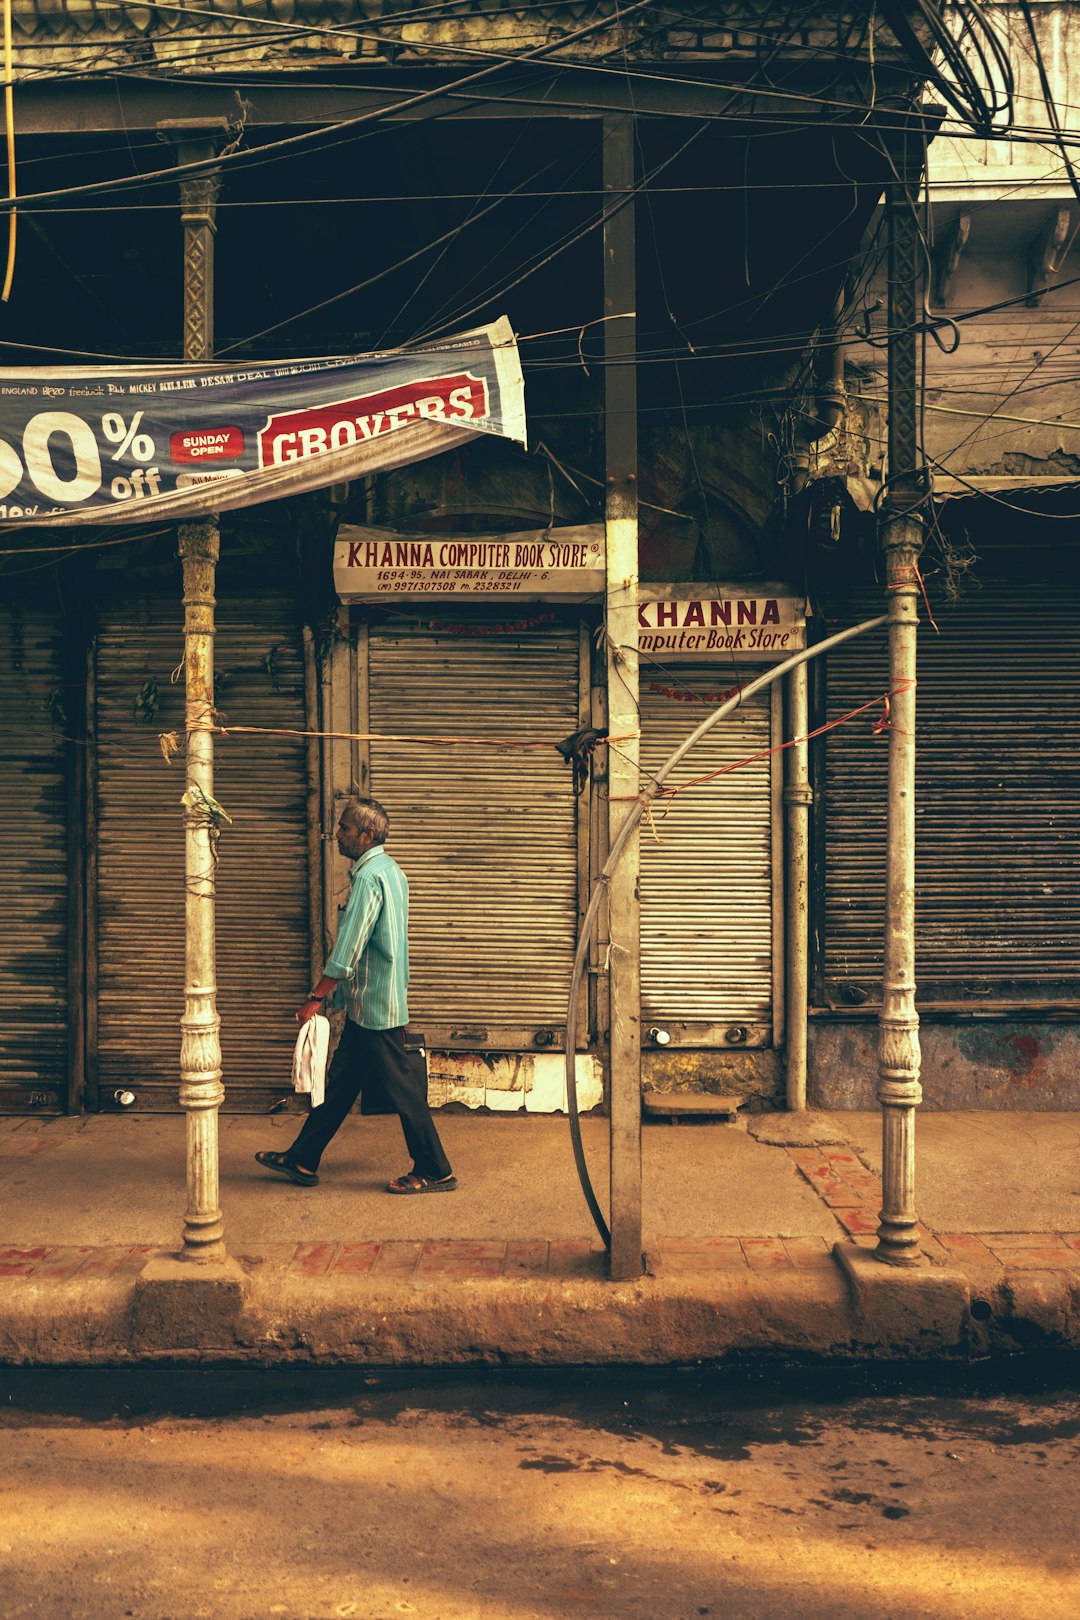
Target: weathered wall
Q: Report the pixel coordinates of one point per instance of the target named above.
(1021, 1065)
(757, 1075)
(510, 1082)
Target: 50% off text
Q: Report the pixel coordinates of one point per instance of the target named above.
(62, 458)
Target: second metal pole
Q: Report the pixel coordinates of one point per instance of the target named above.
(798, 798)
(899, 1056)
(624, 908)
(201, 1089)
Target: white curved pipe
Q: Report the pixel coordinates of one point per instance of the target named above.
(773, 673)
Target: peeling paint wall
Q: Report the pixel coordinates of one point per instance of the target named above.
(998, 1064)
(530, 1082)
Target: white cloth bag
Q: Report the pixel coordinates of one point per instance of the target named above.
(309, 1058)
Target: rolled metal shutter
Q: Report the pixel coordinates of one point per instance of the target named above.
(706, 876)
(997, 803)
(263, 960)
(33, 863)
(487, 836)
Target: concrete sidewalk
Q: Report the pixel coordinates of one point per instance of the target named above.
(757, 1239)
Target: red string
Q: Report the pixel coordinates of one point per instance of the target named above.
(904, 576)
(881, 725)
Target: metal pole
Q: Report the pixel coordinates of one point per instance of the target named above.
(624, 910)
(798, 797)
(201, 1089)
(899, 1057)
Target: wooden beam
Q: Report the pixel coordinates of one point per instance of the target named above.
(624, 910)
(947, 258)
(1044, 260)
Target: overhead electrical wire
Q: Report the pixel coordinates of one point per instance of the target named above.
(704, 188)
(475, 217)
(305, 138)
(440, 319)
(379, 275)
(171, 174)
(473, 214)
(571, 239)
(995, 412)
(728, 310)
(260, 30)
(251, 153)
(742, 348)
(341, 130)
(979, 100)
(426, 336)
(965, 92)
(1048, 94)
(842, 54)
(443, 10)
(973, 25)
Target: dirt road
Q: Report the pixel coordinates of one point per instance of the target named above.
(655, 1497)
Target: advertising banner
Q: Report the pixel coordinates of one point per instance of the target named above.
(565, 565)
(100, 445)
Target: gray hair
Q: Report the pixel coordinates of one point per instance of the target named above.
(368, 815)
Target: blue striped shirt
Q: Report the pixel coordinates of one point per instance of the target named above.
(371, 956)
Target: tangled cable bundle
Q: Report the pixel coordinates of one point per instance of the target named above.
(967, 63)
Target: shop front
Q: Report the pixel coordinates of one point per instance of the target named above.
(91, 864)
(712, 853)
(36, 856)
(463, 671)
(469, 658)
(451, 695)
(135, 893)
(997, 850)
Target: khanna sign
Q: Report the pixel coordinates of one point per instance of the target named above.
(756, 627)
(564, 565)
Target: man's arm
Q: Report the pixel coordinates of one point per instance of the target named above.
(354, 931)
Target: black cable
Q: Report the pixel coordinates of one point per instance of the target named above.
(570, 240)
(1048, 94)
(323, 133)
(786, 344)
(504, 245)
(380, 275)
(974, 104)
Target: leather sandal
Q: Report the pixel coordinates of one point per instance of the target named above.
(283, 1165)
(412, 1183)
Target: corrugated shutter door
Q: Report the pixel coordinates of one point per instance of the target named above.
(263, 957)
(487, 837)
(706, 887)
(33, 863)
(997, 803)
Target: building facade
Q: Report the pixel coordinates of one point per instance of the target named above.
(668, 211)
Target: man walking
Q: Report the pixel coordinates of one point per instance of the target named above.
(367, 974)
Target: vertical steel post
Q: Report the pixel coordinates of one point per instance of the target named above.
(899, 1057)
(624, 910)
(201, 1089)
(798, 797)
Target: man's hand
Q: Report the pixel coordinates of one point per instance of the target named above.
(318, 996)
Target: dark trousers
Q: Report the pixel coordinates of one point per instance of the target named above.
(373, 1057)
